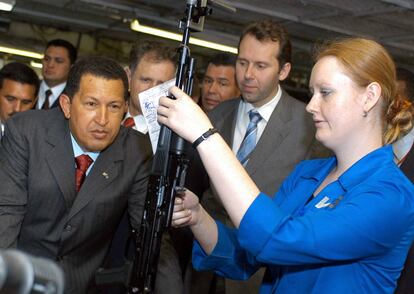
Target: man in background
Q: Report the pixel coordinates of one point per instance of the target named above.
(405, 88)
(219, 82)
(19, 86)
(58, 58)
(151, 63)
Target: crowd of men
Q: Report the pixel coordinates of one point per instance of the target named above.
(74, 169)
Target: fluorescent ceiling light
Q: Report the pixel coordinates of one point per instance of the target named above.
(36, 64)
(136, 26)
(21, 52)
(7, 5)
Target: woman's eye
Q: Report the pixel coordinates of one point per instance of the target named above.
(325, 92)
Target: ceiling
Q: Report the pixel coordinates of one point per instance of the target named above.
(102, 26)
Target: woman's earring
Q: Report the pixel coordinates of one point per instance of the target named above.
(364, 114)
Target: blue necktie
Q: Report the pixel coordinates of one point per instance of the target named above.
(249, 140)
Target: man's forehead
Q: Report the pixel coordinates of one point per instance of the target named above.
(57, 51)
(212, 66)
(12, 84)
(88, 78)
(220, 71)
(272, 47)
(151, 58)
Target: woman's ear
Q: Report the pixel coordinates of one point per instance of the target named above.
(372, 96)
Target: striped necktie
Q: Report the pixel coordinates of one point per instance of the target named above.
(249, 140)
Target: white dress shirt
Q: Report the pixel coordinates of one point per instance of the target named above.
(243, 118)
(140, 124)
(56, 91)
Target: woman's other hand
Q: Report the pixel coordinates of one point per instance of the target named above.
(187, 210)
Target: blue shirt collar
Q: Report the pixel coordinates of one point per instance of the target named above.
(77, 150)
(357, 172)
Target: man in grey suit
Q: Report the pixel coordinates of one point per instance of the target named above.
(52, 207)
(284, 135)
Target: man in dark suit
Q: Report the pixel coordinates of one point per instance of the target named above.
(68, 174)
(58, 58)
(284, 132)
(404, 154)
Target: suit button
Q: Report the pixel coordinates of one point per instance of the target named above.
(68, 228)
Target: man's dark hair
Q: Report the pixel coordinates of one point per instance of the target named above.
(407, 77)
(21, 73)
(223, 59)
(72, 52)
(269, 30)
(157, 51)
(99, 67)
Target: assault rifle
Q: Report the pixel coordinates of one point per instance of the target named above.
(167, 175)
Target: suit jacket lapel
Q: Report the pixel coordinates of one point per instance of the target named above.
(228, 124)
(105, 170)
(272, 136)
(61, 159)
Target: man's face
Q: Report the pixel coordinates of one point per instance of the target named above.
(258, 71)
(95, 112)
(56, 65)
(219, 84)
(148, 73)
(15, 97)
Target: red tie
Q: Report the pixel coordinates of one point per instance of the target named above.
(82, 163)
(129, 122)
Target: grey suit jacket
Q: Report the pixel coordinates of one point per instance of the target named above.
(287, 139)
(38, 187)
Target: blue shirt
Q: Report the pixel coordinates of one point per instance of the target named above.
(353, 237)
(77, 150)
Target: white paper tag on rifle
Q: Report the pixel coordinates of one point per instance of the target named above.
(149, 100)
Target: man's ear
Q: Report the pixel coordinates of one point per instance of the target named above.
(65, 103)
(126, 106)
(372, 96)
(128, 72)
(284, 71)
